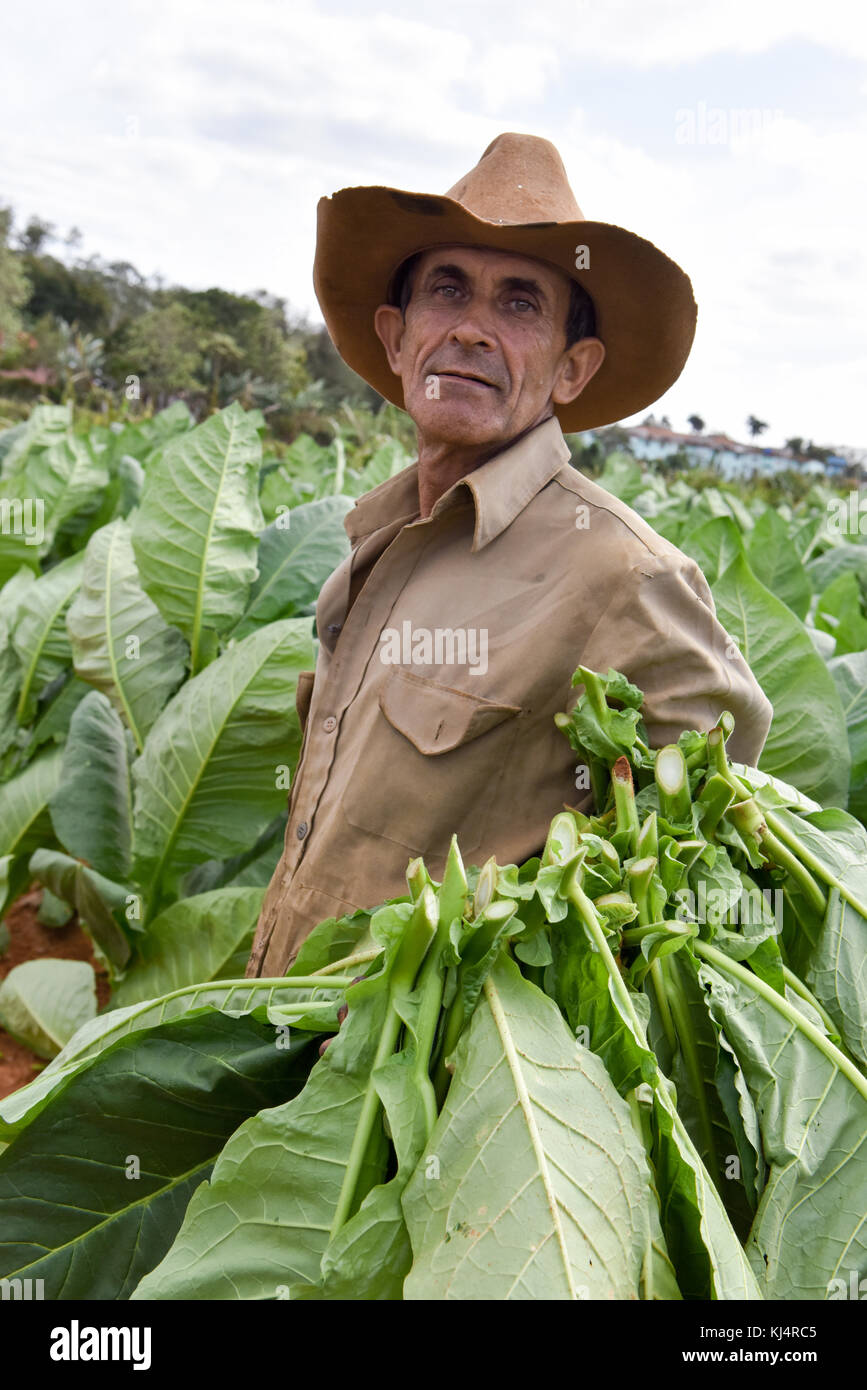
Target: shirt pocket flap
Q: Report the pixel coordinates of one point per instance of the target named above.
(436, 718)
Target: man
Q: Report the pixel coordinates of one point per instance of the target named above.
(483, 575)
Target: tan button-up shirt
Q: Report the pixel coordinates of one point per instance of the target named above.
(432, 709)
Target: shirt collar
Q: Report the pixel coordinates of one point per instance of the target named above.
(501, 488)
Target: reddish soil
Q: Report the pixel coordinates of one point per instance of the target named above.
(29, 940)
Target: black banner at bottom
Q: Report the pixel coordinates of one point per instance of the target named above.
(78, 1338)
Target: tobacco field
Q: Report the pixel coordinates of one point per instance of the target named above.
(554, 1080)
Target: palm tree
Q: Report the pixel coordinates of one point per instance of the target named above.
(80, 358)
(756, 426)
(221, 351)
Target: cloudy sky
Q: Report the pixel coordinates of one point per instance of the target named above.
(194, 139)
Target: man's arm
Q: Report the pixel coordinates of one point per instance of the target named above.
(661, 630)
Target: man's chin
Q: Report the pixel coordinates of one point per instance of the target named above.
(458, 422)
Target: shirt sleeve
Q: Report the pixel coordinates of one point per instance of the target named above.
(661, 630)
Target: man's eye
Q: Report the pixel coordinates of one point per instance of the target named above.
(522, 304)
(446, 289)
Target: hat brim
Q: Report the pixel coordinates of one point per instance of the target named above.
(645, 309)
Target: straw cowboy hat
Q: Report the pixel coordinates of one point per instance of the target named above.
(517, 198)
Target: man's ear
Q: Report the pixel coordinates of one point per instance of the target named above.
(579, 363)
(389, 325)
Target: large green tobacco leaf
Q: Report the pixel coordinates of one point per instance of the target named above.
(207, 937)
(370, 1256)
(11, 594)
(809, 1229)
(836, 971)
(388, 460)
(44, 1002)
(776, 564)
(101, 903)
(68, 480)
(39, 636)
(707, 1255)
(304, 472)
(252, 869)
(713, 546)
(541, 1188)
(839, 612)
(52, 724)
(194, 534)
(261, 1225)
(209, 779)
(262, 1222)
(92, 808)
(147, 438)
(711, 502)
(850, 677)
(834, 966)
(46, 425)
(297, 553)
(622, 476)
(331, 941)
(93, 1191)
(10, 675)
(235, 997)
(24, 804)
(795, 679)
(120, 641)
(840, 559)
(711, 1097)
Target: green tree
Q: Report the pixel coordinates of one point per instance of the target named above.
(324, 364)
(66, 292)
(35, 235)
(14, 286)
(163, 349)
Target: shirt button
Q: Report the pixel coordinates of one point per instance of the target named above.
(302, 830)
(329, 724)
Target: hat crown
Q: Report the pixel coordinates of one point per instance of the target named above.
(519, 179)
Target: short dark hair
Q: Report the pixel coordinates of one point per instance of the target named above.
(580, 318)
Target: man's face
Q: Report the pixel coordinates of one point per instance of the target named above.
(490, 326)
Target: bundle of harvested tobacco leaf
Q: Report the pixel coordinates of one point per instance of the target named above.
(631, 1068)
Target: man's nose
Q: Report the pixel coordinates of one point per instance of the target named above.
(475, 328)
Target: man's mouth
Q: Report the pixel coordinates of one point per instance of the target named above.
(468, 376)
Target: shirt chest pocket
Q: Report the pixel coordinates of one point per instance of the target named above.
(431, 766)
